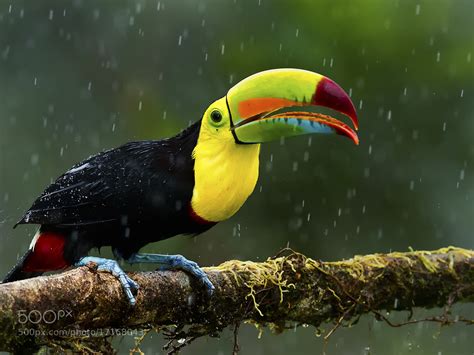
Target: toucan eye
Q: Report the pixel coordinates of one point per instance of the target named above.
(216, 116)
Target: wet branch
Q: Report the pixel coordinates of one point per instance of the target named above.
(64, 310)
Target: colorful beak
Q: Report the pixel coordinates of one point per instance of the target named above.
(280, 103)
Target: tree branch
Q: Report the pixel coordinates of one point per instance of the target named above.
(63, 310)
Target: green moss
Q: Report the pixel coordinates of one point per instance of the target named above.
(260, 276)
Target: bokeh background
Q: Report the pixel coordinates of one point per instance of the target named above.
(77, 77)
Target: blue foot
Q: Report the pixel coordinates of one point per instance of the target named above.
(129, 286)
(174, 262)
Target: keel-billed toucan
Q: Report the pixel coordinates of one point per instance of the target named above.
(147, 191)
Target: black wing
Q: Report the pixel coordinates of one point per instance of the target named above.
(137, 181)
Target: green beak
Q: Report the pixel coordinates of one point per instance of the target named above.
(276, 103)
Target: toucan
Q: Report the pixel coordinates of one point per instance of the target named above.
(147, 191)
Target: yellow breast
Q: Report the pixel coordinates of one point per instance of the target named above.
(225, 175)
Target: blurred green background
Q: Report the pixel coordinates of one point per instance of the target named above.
(77, 77)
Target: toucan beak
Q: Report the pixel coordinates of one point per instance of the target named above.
(280, 103)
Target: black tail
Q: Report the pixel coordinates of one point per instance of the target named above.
(17, 272)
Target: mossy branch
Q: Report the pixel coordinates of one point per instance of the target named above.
(62, 310)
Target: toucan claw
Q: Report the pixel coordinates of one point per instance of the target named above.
(129, 286)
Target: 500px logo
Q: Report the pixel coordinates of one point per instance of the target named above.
(49, 316)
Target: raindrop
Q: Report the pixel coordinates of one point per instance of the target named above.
(306, 156)
(268, 166)
(366, 172)
(412, 185)
(438, 56)
(295, 166)
(297, 32)
(380, 233)
(360, 104)
(191, 299)
(417, 9)
(331, 62)
(444, 126)
(138, 8)
(468, 58)
(405, 92)
(51, 14)
(461, 175)
(308, 217)
(158, 6)
(140, 105)
(180, 39)
(34, 159)
(35, 81)
(222, 49)
(113, 127)
(131, 21)
(363, 209)
(462, 92)
(164, 115)
(370, 149)
(89, 86)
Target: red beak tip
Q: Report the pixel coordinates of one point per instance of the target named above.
(331, 95)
